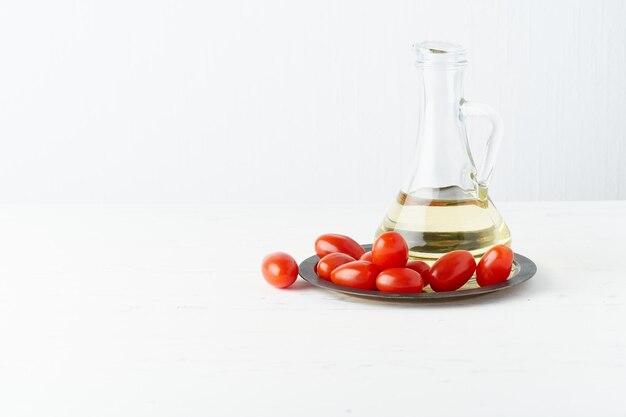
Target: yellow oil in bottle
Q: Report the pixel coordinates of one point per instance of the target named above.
(432, 228)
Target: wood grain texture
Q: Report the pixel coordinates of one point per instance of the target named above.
(213, 101)
(162, 311)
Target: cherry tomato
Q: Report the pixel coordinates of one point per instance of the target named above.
(420, 267)
(357, 274)
(331, 243)
(390, 251)
(279, 269)
(367, 256)
(494, 266)
(399, 280)
(452, 271)
(328, 263)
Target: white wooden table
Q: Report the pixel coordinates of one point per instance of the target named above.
(162, 311)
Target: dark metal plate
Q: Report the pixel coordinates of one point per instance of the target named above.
(523, 269)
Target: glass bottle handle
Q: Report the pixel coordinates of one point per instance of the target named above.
(473, 109)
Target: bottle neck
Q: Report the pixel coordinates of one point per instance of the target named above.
(442, 91)
(443, 166)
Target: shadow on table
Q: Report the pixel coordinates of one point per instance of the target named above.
(524, 290)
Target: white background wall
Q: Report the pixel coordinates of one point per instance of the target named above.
(237, 101)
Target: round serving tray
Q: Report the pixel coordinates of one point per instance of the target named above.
(523, 269)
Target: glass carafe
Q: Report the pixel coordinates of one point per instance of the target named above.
(444, 205)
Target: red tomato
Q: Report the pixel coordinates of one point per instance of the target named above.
(452, 271)
(390, 251)
(357, 274)
(331, 243)
(494, 266)
(420, 267)
(399, 280)
(328, 263)
(367, 256)
(279, 269)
